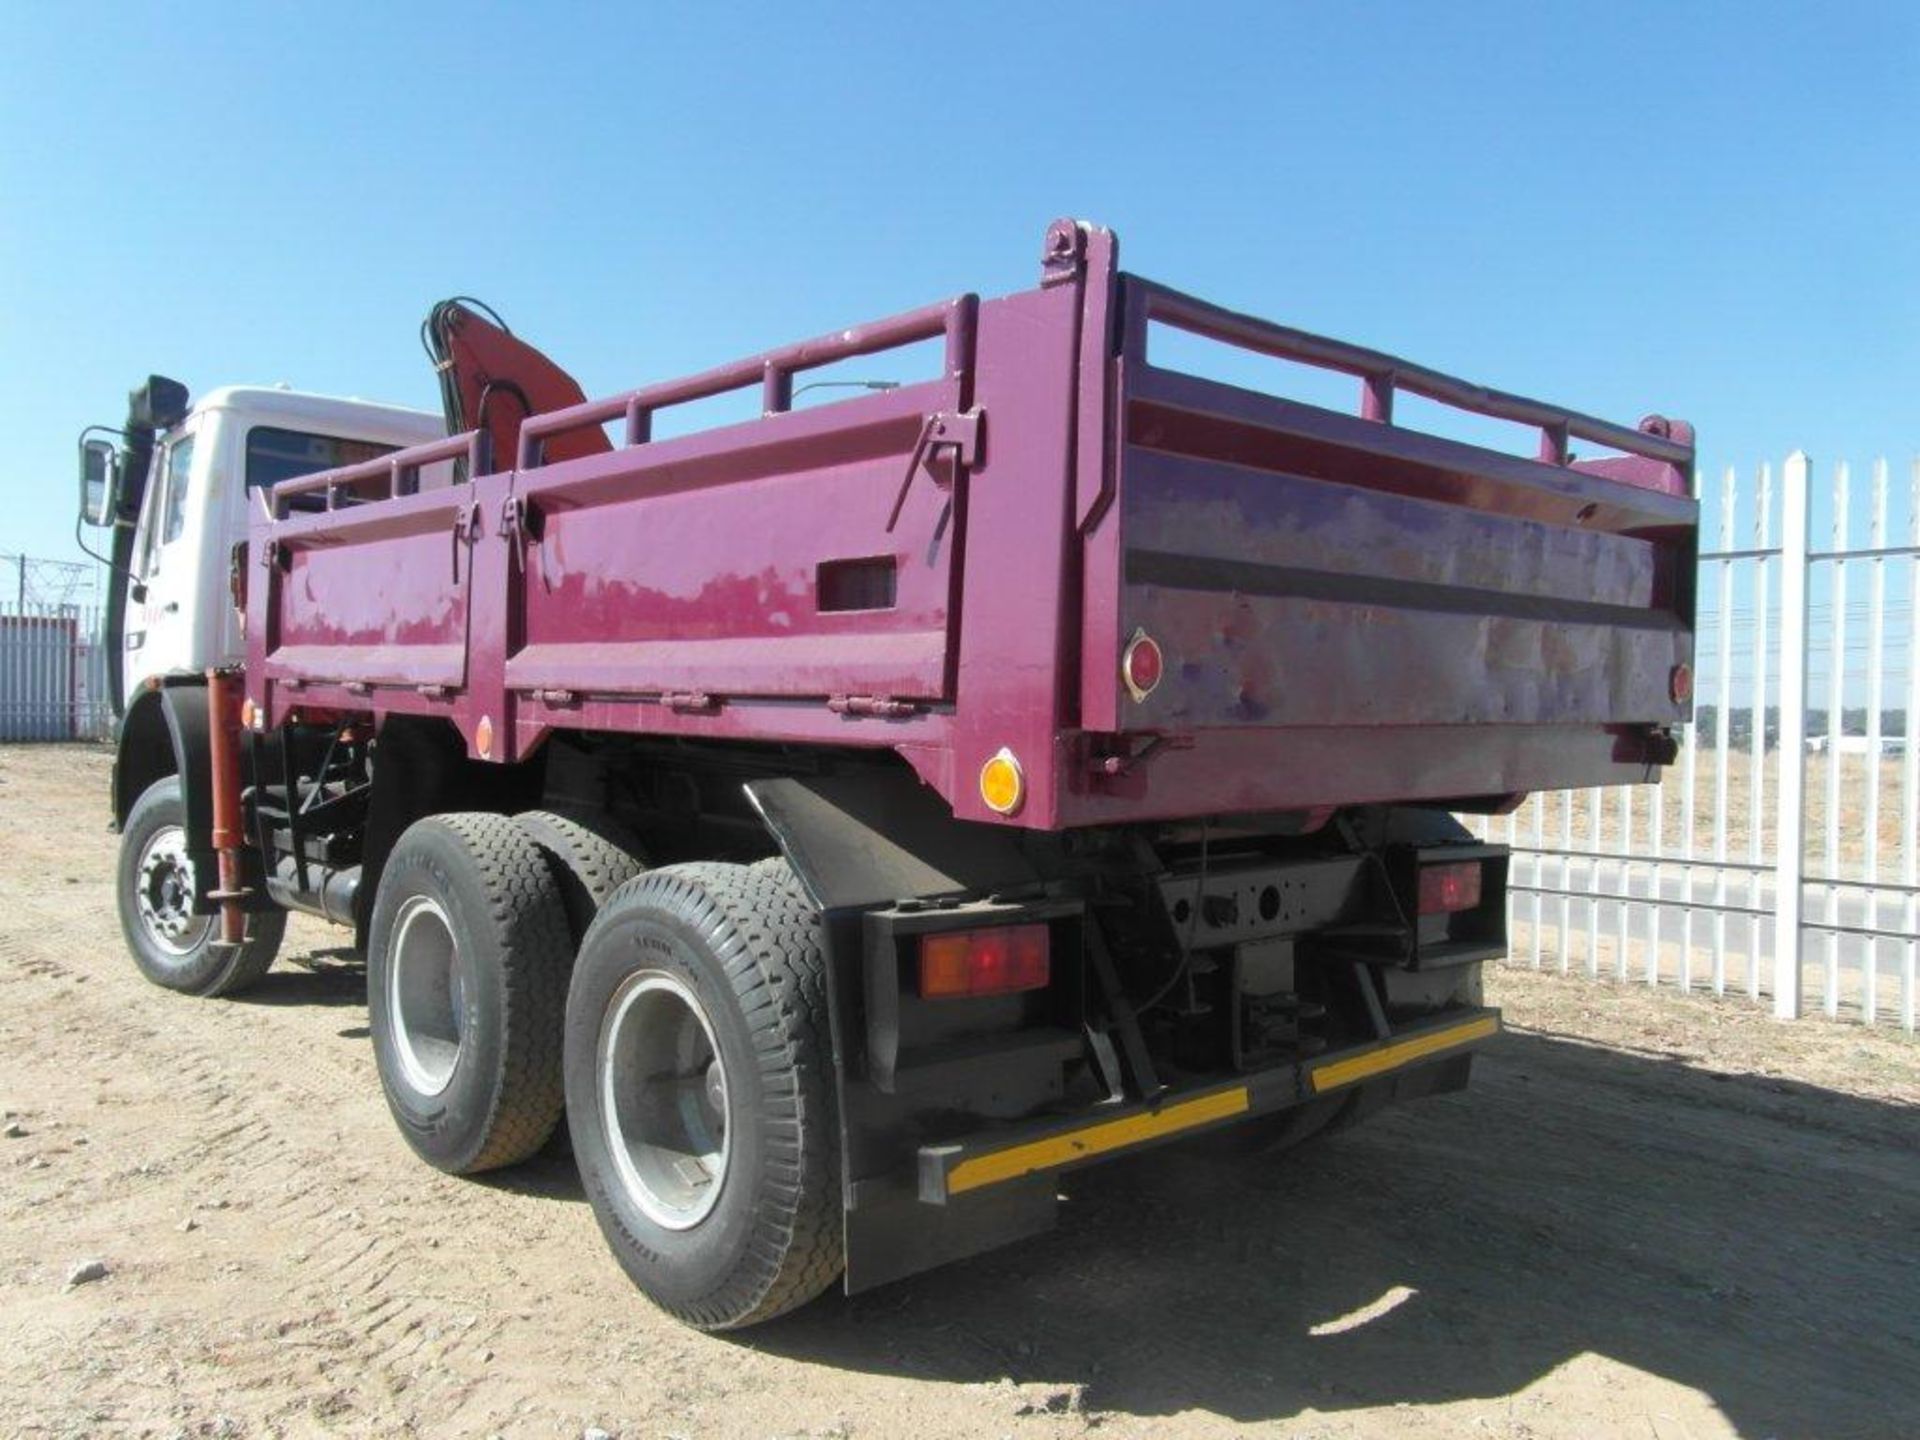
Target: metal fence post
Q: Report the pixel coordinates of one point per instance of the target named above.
(1790, 842)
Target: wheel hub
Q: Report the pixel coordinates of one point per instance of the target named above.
(663, 1099)
(426, 995)
(165, 893)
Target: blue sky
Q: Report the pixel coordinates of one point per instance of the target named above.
(1707, 210)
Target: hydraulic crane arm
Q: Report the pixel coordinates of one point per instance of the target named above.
(491, 379)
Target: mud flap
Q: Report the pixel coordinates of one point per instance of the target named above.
(860, 840)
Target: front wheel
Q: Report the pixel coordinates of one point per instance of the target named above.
(700, 1096)
(174, 945)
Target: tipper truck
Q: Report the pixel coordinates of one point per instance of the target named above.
(845, 821)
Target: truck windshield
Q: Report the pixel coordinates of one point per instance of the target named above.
(274, 455)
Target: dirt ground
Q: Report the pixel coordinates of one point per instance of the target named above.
(1650, 1216)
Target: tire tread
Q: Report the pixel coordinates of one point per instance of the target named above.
(526, 922)
(759, 924)
(531, 929)
(596, 858)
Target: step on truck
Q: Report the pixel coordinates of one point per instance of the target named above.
(847, 820)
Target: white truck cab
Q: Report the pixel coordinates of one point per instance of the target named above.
(235, 440)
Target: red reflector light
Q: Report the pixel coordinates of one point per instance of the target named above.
(1000, 961)
(1142, 665)
(1446, 888)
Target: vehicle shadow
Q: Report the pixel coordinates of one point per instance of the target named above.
(319, 977)
(549, 1175)
(1749, 1238)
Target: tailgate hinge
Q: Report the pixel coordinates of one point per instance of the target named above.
(959, 430)
(884, 707)
(689, 700)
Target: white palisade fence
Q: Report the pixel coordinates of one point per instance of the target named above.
(53, 674)
(1779, 857)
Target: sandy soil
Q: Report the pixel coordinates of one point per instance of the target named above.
(1651, 1216)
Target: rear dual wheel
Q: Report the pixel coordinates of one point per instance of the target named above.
(689, 1049)
(699, 1081)
(467, 968)
(591, 855)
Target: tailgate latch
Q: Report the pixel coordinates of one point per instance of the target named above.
(466, 528)
(1112, 757)
(959, 430)
(513, 525)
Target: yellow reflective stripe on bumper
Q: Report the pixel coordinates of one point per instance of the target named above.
(1402, 1052)
(1083, 1144)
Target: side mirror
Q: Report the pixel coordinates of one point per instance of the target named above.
(99, 481)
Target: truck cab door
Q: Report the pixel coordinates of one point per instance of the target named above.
(160, 627)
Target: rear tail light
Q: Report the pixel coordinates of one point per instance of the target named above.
(959, 964)
(1447, 888)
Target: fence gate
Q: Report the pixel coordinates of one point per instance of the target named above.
(1780, 857)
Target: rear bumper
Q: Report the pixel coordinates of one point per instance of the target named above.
(949, 1172)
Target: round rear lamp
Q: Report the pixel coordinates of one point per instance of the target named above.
(1680, 684)
(1142, 665)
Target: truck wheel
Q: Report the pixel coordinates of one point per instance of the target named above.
(154, 888)
(466, 988)
(700, 1092)
(591, 856)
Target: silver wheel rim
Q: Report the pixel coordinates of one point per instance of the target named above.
(164, 893)
(663, 1099)
(425, 995)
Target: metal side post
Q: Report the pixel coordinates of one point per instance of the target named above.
(1790, 849)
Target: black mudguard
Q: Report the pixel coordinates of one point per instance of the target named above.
(165, 732)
